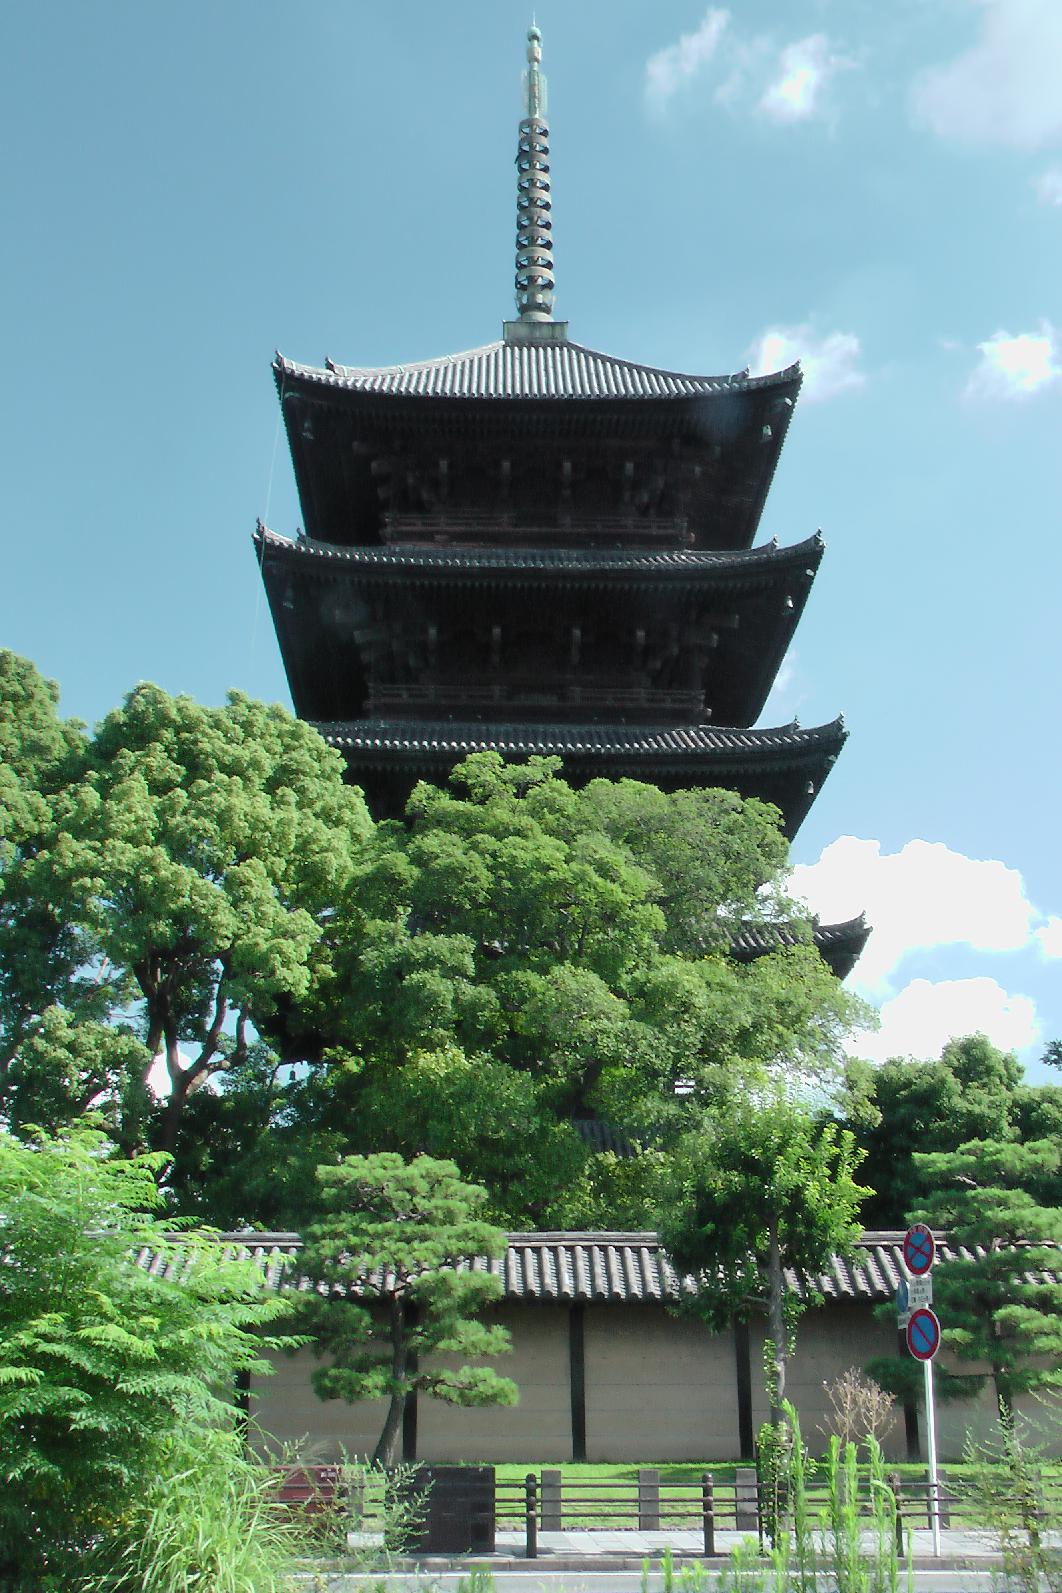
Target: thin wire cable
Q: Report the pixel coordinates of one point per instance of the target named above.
(265, 522)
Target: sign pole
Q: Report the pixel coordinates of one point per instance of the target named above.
(931, 1435)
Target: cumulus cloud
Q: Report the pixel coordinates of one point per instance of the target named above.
(1049, 937)
(918, 899)
(830, 359)
(1048, 186)
(678, 65)
(805, 67)
(1004, 89)
(922, 1019)
(1016, 367)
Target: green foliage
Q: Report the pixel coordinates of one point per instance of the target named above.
(197, 885)
(999, 1308)
(1006, 1482)
(519, 952)
(759, 1187)
(106, 1369)
(209, 1522)
(904, 1107)
(390, 1309)
(183, 865)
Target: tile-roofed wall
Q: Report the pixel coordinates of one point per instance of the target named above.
(610, 1268)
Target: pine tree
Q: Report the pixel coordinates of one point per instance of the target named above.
(391, 1292)
(1000, 1301)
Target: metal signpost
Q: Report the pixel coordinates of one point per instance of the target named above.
(914, 1300)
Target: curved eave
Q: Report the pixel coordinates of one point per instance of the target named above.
(734, 568)
(549, 373)
(785, 765)
(839, 945)
(777, 744)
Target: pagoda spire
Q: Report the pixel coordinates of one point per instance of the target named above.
(534, 226)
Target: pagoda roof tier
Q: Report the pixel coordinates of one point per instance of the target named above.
(542, 441)
(839, 945)
(751, 567)
(557, 369)
(628, 635)
(785, 765)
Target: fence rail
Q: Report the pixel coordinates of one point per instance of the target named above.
(544, 1502)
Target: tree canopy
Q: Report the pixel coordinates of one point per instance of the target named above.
(208, 942)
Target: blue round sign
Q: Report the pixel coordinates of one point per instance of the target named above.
(919, 1249)
(923, 1334)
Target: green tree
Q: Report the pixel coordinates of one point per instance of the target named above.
(905, 1107)
(998, 1301)
(193, 858)
(389, 1299)
(519, 954)
(44, 950)
(759, 1187)
(106, 1369)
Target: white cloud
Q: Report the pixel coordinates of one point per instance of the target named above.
(677, 65)
(1014, 367)
(1049, 937)
(830, 360)
(922, 1019)
(1048, 186)
(922, 897)
(784, 696)
(1005, 88)
(805, 67)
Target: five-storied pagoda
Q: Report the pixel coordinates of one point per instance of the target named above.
(538, 548)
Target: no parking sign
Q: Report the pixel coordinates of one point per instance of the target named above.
(923, 1334)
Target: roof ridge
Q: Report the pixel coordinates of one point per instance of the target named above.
(653, 381)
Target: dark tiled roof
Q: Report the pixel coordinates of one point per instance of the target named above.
(599, 1136)
(528, 370)
(750, 941)
(607, 1268)
(740, 564)
(446, 736)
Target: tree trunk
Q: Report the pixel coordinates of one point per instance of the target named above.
(386, 1452)
(776, 1323)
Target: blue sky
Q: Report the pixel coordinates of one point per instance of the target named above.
(877, 189)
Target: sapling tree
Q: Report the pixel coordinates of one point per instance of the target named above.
(759, 1187)
(392, 1293)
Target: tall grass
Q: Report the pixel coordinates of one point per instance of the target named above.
(210, 1523)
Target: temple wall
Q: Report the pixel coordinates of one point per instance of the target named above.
(657, 1387)
(830, 1339)
(286, 1407)
(539, 1428)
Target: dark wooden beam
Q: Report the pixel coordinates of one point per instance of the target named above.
(577, 1378)
(743, 1364)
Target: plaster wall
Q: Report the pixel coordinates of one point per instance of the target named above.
(539, 1428)
(286, 1408)
(658, 1387)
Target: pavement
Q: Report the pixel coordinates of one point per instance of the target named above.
(612, 1562)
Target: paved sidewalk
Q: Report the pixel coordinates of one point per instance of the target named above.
(583, 1548)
